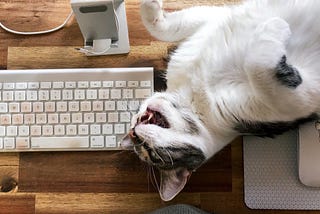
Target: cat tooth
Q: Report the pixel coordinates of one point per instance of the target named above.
(151, 115)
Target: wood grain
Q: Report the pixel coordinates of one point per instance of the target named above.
(107, 172)
(106, 203)
(17, 203)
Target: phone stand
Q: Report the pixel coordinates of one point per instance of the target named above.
(103, 24)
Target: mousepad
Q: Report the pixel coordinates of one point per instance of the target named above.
(271, 175)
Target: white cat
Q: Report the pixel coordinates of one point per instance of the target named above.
(250, 68)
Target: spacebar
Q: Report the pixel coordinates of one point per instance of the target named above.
(59, 142)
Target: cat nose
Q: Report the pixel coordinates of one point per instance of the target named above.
(132, 134)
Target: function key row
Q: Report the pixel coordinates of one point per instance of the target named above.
(74, 84)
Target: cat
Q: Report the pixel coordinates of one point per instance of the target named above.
(250, 68)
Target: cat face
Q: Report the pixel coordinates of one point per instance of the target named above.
(168, 135)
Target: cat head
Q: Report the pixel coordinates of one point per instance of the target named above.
(166, 134)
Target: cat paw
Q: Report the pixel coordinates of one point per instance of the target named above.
(275, 29)
(268, 43)
(151, 11)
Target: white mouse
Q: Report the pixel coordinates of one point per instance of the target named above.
(309, 154)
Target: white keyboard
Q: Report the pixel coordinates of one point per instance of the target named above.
(69, 109)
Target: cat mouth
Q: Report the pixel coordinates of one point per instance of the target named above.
(153, 117)
(149, 117)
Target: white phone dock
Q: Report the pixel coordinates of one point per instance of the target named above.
(103, 24)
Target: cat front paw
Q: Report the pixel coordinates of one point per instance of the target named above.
(151, 11)
(268, 43)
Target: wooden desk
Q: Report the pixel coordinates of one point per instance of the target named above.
(99, 182)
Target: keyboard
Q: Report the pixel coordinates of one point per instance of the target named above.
(69, 109)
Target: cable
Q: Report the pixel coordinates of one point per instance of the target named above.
(38, 32)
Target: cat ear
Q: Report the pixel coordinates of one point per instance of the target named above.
(172, 182)
(126, 142)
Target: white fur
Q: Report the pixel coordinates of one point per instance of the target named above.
(225, 59)
(224, 71)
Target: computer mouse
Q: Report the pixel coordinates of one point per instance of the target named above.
(309, 154)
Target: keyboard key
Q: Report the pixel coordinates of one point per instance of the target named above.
(127, 93)
(37, 107)
(119, 128)
(21, 85)
(96, 141)
(57, 85)
(23, 131)
(103, 94)
(76, 118)
(32, 95)
(25, 107)
(97, 106)
(45, 85)
(146, 83)
(85, 106)
(107, 84)
(92, 94)
(8, 86)
(83, 84)
(59, 130)
(142, 93)
(70, 84)
(5, 119)
(62, 107)
(12, 131)
(74, 106)
(67, 94)
(111, 141)
(53, 118)
(113, 117)
(35, 130)
(71, 130)
(59, 142)
(122, 105)
(95, 84)
(110, 105)
(29, 119)
(125, 117)
(3, 107)
(95, 129)
(9, 143)
(33, 85)
(115, 93)
(65, 118)
(2, 131)
(43, 95)
(14, 107)
(101, 117)
(7, 95)
(49, 106)
(41, 118)
(79, 94)
(121, 84)
(88, 117)
(22, 143)
(19, 95)
(17, 119)
(55, 95)
(47, 130)
(133, 84)
(83, 130)
(107, 129)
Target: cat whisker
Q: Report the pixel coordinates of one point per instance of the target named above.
(169, 155)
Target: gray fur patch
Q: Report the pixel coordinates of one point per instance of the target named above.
(287, 74)
(270, 129)
(187, 157)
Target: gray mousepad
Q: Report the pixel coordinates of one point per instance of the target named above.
(271, 175)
